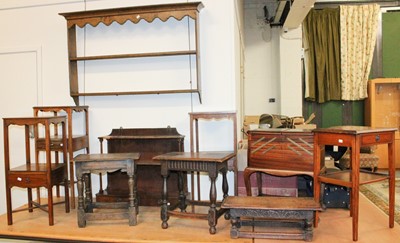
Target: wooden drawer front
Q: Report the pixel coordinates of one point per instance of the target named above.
(335, 139)
(284, 152)
(55, 144)
(26, 180)
(370, 139)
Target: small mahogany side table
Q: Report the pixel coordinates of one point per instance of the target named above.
(353, 137)
(210, 162)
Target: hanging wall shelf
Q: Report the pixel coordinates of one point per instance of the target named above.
(121, 16)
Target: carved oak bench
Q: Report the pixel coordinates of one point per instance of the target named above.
(285, 217)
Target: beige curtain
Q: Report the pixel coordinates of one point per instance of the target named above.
(358, 27)
(321, 42)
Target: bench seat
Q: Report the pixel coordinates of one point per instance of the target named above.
(276, 217)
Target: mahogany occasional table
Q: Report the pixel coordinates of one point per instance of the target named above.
(353, 137)
(210, 162)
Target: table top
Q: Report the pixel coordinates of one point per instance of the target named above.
(354, 130)
(281, 130)
(273, 203)
(215, 113)
(33, 120)
(205, 156)
(106, 157)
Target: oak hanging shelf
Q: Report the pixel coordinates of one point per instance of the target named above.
(134, 14)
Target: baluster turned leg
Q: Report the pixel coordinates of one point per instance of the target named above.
(132, 207)
(135, 194)
(182, 196)
(225, 186)
(88, 203)
(164, 205)
(212, 212)
(225, 189)
(81, 210)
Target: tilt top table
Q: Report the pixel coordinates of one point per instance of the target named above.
(353, 137)
(210, 162)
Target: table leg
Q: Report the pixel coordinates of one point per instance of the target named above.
(259, 183)
(88, 206)
(81, 211)
(225, 189)
(135, 194)
(30, 204)
(182, 196)
(132, 207)
(355, 177)
(50, 205)
(225, 186)
(164, 205)
(212, 212)
(317, 197)
(392, 186)
(66, 193)
(246, 176)
(9, 205)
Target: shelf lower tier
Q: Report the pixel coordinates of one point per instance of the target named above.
(343, 178)
(78, 142)
(76, 96)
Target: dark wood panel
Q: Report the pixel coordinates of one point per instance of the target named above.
(149, 142)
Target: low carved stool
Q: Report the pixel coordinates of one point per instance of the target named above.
(272, 212)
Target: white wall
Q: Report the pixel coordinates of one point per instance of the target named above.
(272, 67)
(36, 24)
(290, 53)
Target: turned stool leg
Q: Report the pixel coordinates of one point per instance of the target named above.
(81, 210)
(212, 212)
(164, 205)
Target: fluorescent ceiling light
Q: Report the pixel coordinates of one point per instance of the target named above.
(298, 11)
(279, 11)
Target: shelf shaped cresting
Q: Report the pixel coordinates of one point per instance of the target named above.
(133, 14)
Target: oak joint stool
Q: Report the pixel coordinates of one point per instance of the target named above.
(99, 163)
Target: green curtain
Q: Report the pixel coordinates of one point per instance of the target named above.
(322, 55)
(391, 44)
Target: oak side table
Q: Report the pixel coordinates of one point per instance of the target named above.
(195, 144)
(100, 163)
(210, 162)
(353, 137)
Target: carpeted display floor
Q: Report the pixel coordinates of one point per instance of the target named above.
(378, 193)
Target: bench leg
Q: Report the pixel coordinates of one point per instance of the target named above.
(308, 230)
(235, 222)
